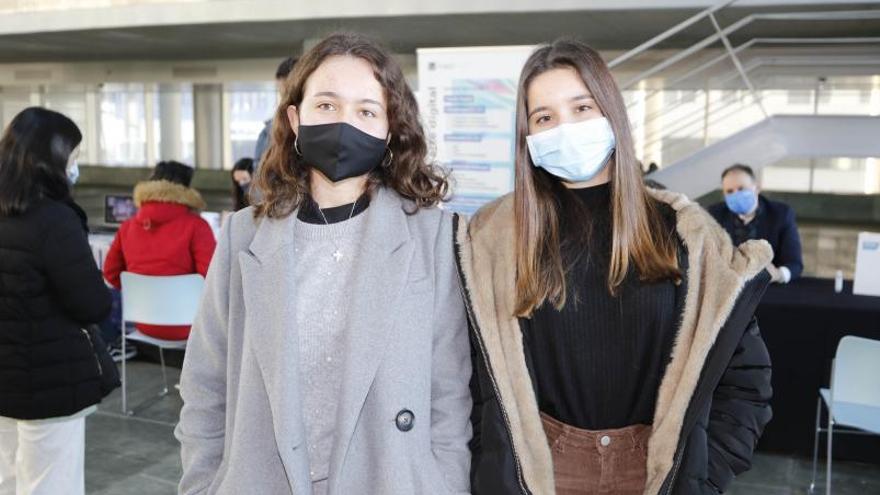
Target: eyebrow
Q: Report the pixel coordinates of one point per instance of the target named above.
(333, 94)
(585, 96)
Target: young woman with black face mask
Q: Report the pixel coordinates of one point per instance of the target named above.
(616, 349)
(330, 354)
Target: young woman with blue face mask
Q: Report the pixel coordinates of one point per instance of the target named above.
(615, 349)
(330, 354)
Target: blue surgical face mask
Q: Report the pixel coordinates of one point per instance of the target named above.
(73, 173)
(741, 202)
(574, 152)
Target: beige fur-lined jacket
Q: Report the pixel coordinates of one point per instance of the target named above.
(713, 400)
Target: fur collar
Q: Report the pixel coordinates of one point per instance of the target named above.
(716, 274)
(163, 191)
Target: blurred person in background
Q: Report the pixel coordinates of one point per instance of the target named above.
(53, 368)
(166, 236)
(242, 177)
(747, 214)
(264, 139)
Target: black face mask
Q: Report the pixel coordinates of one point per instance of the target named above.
(339, 150)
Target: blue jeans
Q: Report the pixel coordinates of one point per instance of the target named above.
(111, 326)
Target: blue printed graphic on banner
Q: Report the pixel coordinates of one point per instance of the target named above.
(478, 142)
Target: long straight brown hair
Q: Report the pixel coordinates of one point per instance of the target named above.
(640, 236)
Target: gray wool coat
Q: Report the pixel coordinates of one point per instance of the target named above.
(406, 349)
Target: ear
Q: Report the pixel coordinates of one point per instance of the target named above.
(293, 118)
(73, 156)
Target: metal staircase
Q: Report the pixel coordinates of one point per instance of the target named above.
(727, 115)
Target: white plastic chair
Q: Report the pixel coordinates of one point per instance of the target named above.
(853, 401)
(154, 300)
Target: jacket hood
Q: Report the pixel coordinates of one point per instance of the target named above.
(696, 227)
(161, 201)
(163, 191)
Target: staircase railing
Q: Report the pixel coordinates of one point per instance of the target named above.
(740, 103)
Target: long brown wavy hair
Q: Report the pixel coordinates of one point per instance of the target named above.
(640, 236)
(283, 178)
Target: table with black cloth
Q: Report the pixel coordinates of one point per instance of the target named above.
(802, 323)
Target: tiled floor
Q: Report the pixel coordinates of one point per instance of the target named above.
(139, 455)
(781, 475)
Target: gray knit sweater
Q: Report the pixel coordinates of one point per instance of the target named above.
(324, 269)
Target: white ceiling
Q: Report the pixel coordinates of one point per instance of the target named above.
(606, 29)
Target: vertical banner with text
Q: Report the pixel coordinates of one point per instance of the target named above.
(468, 104)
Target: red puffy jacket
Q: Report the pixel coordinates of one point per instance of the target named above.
(166, 237)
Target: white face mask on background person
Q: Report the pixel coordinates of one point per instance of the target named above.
(574, 152)
(73, 173)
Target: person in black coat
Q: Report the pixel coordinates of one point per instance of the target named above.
(746, 214)
(50, 291)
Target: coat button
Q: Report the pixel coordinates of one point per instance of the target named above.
(405, 420)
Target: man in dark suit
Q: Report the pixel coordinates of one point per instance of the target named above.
(746, 214)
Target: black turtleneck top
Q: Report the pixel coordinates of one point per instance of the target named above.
(310, 213)
(597, 363)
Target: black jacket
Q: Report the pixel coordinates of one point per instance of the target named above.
(720, 420)
(50, 288)
(775, 223)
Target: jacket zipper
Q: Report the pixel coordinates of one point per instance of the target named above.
(473, 319)
(673, 474)
(679, 451)
(94, 351)
(519, 475)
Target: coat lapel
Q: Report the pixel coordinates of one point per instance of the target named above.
(381, 271)
(267, 279)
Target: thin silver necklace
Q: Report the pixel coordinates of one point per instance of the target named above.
(337, 255)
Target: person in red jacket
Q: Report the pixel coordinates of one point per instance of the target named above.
(166, 236)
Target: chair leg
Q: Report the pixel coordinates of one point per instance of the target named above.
(124, 375)
(828, 461)
(164, 374)
(816, 444)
